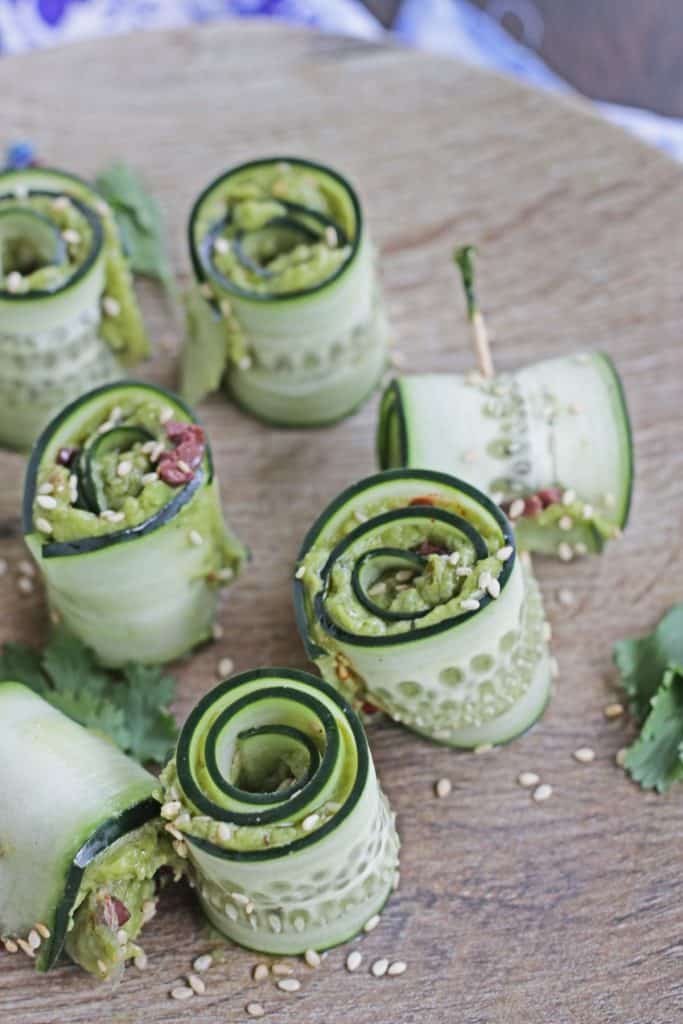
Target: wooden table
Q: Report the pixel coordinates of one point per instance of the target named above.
(509, 912)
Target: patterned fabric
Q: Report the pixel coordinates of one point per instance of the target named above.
(446, 26)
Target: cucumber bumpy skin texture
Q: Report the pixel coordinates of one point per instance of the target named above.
(457, 649)
(69, 318)
(286, 309)
(292, 842)
(551, 442)
(67, 798)
(139, 581)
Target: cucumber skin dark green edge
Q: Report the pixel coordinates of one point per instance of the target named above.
(261, 162)
(274, 674)
(93, 221)
(88, 544)
(313, 650)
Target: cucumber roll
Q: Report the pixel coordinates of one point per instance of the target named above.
(273, 790)
(81, 839)
(551, 443)
(410, 597)
(69, 319)
(122, 514)
(286, 306)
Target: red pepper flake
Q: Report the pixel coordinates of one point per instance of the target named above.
(65, 456)
(550, 496)
(423, 499)
(427, 548)
(177, 465)
(369, 709)
(535, 503)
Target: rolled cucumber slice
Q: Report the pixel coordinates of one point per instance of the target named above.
(286, 308)
(71, 806)
(453, 645)
(552, 442)
(138, 580)
(292, 842)
(69, 319)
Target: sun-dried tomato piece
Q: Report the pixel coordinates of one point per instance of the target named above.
(113, 912)
(427, 548)
(550, 496)
(177, 465)
(532, 506)
(369, 709)
(423, 499)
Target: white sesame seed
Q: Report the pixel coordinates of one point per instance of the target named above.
(101, 967)
(614, 710)
(463, 570)
(43, 525)
(587, 512)
(124, 468)
(183, 466)
(166, 414)
(565, 597)
(516, 508)
(331, 237)
(469, 604)
(33, 939)
(584, 755)
(195, 538)
(312, 958)
(222, 245)
(443, 788)
(309, 823)
(528, 779)
(620, 756)
(565, 523)
(111, 306)
(225, 667)
(483, 748)
(380, 967)
(102, 208)
(300, 572)
(564, 551)
(372, 923)
(171, 809)
(398, 967)
(217, 631)
(181, 992)
(494, 588)
(46, 488)
(111, 516)
(122, 937)
(25, 948)
(554, 668)
(10, 945)
(240, 897)
(180, 848)
(20, 191)
(484, 579)
(289, 985)
(569, 497)
(25, 585)
(149, 478)
(43, 930)
(275, 925)
(14, 282)
(377, 588)
(255, 1010)
(260, 972)
(542, 792)
(61, 203)
(224, 832)
(196, 984)
(504, 553)
(149, 909)
(26, 568)
(453, 558)
(141, 961)
(281, 970)
(547, 630)
(71, 236)
(354, 960)
(46, 501)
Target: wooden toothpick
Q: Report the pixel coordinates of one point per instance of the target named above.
(464, 259)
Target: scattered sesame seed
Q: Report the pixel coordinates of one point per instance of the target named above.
(46, 501)
(141, 961)
(494, 588)
(453, 558)
(33, 939)
(25, 585)
(614, 710)
(516, 508)
(181, 992)
(281, 970)
(43, 930)
(224, 832)
(569, 497)
(554, 668)
(10, 945)
(584, 755)
(171, 809)
(124, 468)
(483, 748)
(225, 667)
(71, 236)
(222, 245)
(300, 572)
(260, 972)
(469, 604)
(46, 488)
(580, 548)
(463, 570)
(111, 516)
(380, 967)
(484, 579)
(528, 779)
(61, 203)
(587, 512)
(398, 967)
(542, 792)
(166, 414)
(255, 1010)
(372, 923)
(289, 985)
(196, 984)
(180, 848)
(564, 551)
(122, 937)
(312, 958)
(149, 909)
(195, 538)
(443, 788)
(217, 631)
(331, 237)
(354, 960)
(547, 630)
(101, 207)
(244, 363)
(147, 478)
(565, 597)
(377, 588)
(565, 523)
(620, 756)
(25, 948)
(43, 525)
(504, 553)
(240, 897)
(14, 281)
(403, 575)
(26, 568)
(309, 823)
(111, 306)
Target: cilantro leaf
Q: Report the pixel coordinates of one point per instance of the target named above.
(643, 660)
(139, 220)
(655, 760)
(129, 705)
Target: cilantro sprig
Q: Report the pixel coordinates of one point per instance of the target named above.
(652, 676)
(129, 705)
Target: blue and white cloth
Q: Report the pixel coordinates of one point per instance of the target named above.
(452, 27)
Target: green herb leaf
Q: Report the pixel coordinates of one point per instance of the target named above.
(655, 760)
(643, 660)
(139, 220)
(129, 705)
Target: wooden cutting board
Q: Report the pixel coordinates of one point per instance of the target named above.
(509, 912)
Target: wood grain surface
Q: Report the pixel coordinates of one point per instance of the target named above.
(509, 912)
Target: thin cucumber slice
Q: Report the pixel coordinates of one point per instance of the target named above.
(67, 797)
(298, 350)
(59, 335)
(456, 648)
(292, 842)
(559, 426)
(147, 591)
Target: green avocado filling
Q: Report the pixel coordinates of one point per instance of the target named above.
(278, 228)
(570, 529)
(117, 896)
(42, 243)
